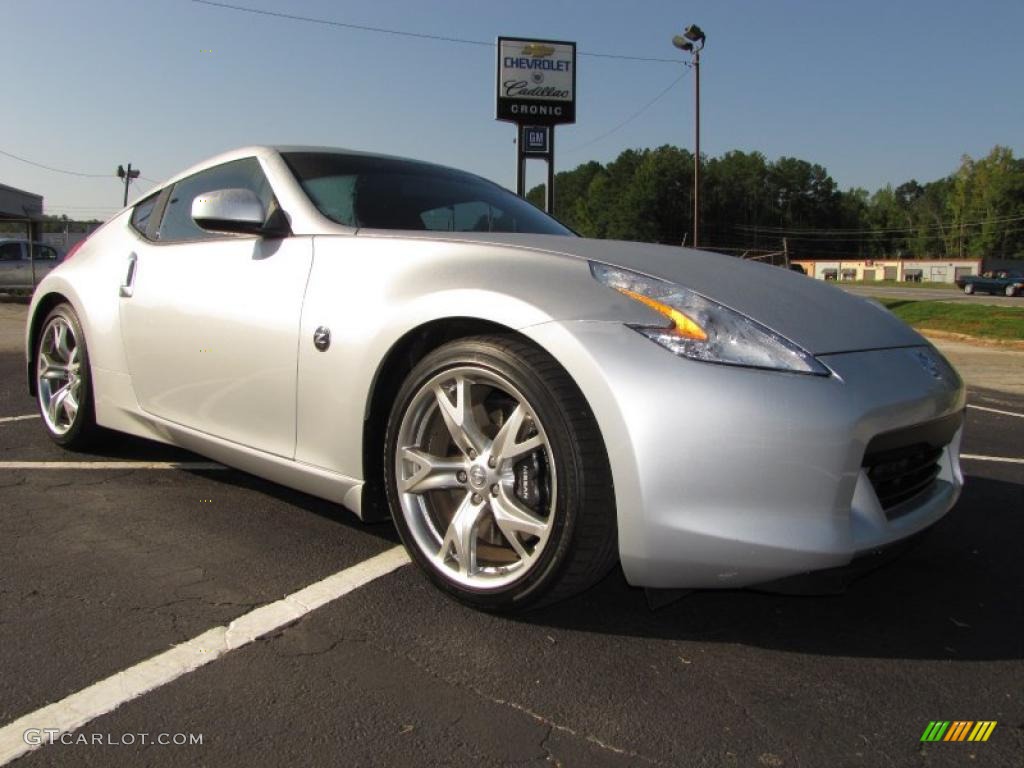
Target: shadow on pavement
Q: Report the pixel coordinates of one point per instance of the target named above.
(122, 447)
(327, 509)
(958, 595)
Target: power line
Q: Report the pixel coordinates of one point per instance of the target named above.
(70, 173)
(57, 170)
(405, 33)
(881, 230)
(869, 241)
(635, 115)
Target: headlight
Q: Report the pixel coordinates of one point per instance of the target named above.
(702, 329)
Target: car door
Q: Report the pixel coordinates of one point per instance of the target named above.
(15, 268)
(44, 259)
(210, 321)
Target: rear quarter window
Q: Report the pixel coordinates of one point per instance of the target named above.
(142, 214)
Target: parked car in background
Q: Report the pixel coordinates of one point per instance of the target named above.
(1000, 281)
(21, 267)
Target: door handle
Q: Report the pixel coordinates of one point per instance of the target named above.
(128, 286)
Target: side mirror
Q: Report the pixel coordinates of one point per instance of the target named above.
(238, 211)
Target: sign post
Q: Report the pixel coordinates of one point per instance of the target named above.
(536, 90)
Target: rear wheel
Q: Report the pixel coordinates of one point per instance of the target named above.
(497, 476)
(969, 288)
(64, 380)
(1011, 291)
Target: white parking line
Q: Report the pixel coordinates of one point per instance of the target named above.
(995, 410)
(1001, 459)
(105, 696)
(7, 419)
(111, 465)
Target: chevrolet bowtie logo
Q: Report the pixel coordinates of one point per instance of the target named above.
(537, 50)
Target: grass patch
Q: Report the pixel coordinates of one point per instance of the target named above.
(981, 320)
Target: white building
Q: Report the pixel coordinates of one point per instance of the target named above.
(898, 270)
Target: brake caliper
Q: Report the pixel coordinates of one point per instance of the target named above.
(526, 487)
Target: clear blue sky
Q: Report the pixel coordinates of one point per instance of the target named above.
(877, 92)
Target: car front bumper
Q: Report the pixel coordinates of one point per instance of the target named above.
(729, 477)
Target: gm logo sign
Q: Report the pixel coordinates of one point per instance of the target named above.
(535, 139)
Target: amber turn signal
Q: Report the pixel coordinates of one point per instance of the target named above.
(684, 326)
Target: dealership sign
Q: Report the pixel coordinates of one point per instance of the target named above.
(536, 81)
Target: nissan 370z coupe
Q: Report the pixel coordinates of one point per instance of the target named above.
(527, 405)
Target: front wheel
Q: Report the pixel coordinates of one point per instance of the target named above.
(64, 380)
(497, 476)
(969, 289)
(1011, 291)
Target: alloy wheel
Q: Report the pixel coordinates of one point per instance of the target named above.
(475, 477)
(59, 375)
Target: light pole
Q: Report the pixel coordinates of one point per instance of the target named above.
(692, 41)
(128, 176)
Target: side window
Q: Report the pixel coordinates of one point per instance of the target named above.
(177, 224)
(44, 252)
(142, 213)
(473, 216)
(10, 252)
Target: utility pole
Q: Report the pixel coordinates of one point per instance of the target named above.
(696, 148)
(127, 176)
(692, 40)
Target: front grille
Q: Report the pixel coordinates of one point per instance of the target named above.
(904, 463)
(903, 473)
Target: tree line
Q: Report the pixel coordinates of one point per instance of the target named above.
(749, 203)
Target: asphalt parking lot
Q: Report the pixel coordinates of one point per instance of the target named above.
(103, 568)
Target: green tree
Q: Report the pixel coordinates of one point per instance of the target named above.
(751, 203)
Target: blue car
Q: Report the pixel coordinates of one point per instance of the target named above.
(1000, 281)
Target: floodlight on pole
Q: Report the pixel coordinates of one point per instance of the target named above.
(694, 34)
(692, 41)
(127, 176)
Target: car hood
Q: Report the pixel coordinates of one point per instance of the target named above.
(819, 317)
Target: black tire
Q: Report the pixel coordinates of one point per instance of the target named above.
(1011, 291)
(80, 431)
(582, 545)
(969, 288)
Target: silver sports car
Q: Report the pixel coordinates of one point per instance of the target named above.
(529, 407)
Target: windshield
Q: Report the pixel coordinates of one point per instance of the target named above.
(388, 193)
